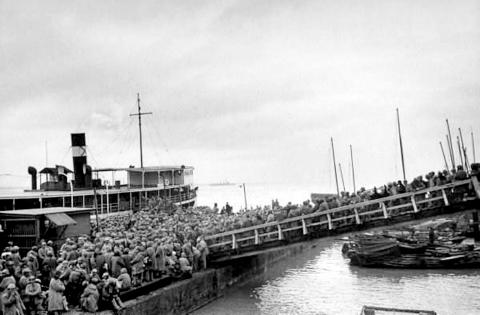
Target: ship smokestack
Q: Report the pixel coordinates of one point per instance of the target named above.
(33, 172)
(79, 152)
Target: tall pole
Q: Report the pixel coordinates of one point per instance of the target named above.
(245, 196)
(460, 151)
(450, 151)
(96, 207)
(444, 158)
(473, 149)
(451, 144)
(341, 176)
(401, 146)
(464, 151)
(353, 170)
(335, 167)
(140, 126)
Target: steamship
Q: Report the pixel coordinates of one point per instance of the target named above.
(61, 187)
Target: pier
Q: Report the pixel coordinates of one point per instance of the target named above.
(459, 195)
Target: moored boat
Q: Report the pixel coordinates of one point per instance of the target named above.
(390, 253)
(377, 310)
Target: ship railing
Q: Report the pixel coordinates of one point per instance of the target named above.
(348, 216)
(182, 197)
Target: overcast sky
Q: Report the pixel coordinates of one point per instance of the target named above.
(241, 90)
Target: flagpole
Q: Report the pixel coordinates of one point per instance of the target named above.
(464, 150)
(450, 151)
(451, 145)
(245, 197)
(460, 151)
(443, 153)
(401, 146)
(341, 175)
(335, 167)
(353, 171)
(473, 149)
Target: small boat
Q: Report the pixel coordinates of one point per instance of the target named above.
(379, 251)
(377, 310)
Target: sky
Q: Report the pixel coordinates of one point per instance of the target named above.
(244, 91)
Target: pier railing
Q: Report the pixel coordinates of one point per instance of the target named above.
(346, 216)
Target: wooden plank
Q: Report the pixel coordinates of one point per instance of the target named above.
(304, 227)
(329, 218)
(280, 234)
(429, 200)
(318, 223)
(445, 199)
(415, 208)
(370, 212)
(257, 238)
(292, 228)
(343, 218)
(357, 217)
(400, 206)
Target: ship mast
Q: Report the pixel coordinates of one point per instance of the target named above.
(140, 126)
(401, 147)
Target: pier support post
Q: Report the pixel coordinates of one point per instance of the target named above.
(384, 208)
(329, 218)
(304, 227)
(357, 217)
(414, 204)
(257, 238)
(445, 199)
(280, 234)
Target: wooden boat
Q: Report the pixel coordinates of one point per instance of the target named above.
(377, 252)
(377, 310)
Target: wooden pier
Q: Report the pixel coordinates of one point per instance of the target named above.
(459, 195)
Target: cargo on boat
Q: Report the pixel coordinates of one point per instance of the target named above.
(439, 249)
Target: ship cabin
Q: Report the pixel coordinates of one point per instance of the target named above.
(160, 176)
(25, 228)
(56, 178)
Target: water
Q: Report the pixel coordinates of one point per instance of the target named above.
(320, 281)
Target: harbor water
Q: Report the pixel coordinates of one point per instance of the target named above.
(321, 281)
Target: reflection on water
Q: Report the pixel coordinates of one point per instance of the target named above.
(320, 281)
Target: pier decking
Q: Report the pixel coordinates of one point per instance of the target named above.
(408, 206)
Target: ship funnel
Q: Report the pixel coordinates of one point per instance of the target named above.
(33, 172)
(79, 152)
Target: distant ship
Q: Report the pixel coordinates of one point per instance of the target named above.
(224, 183)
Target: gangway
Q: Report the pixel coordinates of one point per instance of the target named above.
(459, 195)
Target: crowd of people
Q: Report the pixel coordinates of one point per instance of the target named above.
(126, 250)
(90, 272)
